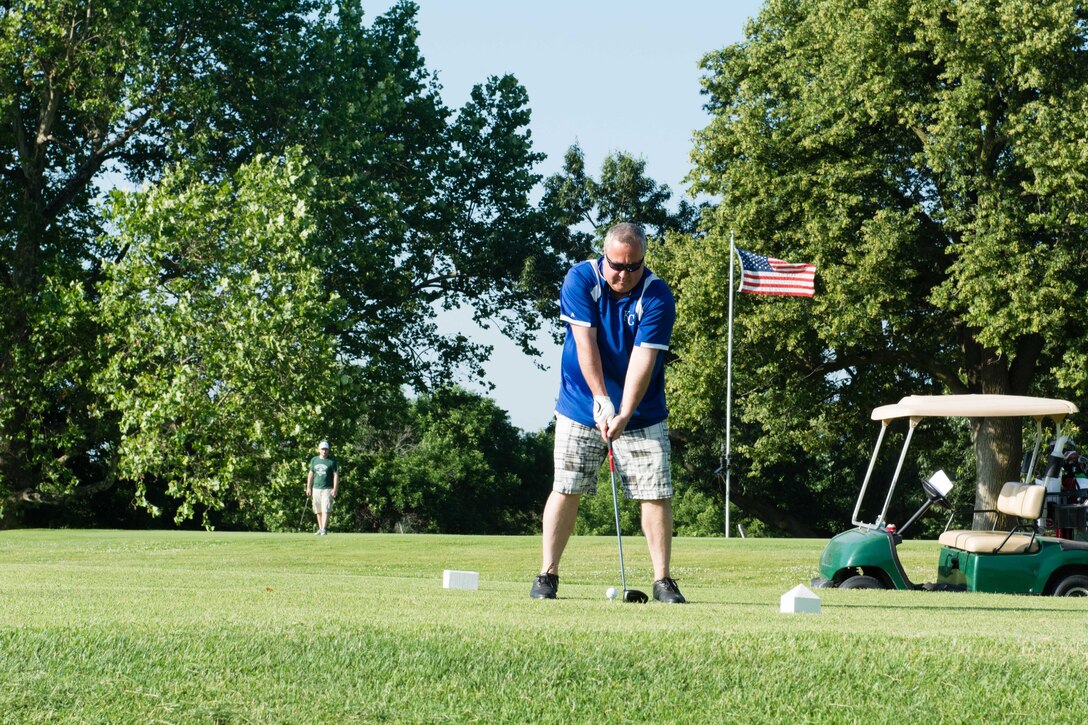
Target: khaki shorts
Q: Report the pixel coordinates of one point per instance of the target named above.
(322, 500)
(642, 460)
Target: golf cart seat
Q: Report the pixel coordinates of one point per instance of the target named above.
(1018, 500)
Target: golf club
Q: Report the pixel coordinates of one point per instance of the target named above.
(302, 516)
(629, 595)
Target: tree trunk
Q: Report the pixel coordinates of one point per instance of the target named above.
(998, 444)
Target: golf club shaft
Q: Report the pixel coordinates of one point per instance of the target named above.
(616, 507)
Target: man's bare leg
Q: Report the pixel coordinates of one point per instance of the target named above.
(657, 526)
(560, 513)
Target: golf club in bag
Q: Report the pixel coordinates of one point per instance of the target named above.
(629, 595)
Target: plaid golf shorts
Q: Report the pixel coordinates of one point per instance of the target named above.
(642, 460)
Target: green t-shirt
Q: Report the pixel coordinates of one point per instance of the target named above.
(323, 469)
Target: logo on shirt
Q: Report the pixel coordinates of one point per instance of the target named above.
(320, 469)
(631, 318)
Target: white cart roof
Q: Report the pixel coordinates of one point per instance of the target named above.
(974, 406)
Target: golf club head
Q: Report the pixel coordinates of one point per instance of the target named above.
(635, 596)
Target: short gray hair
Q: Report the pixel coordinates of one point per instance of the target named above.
(626, 233)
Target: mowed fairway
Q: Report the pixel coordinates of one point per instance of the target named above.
(110, 626)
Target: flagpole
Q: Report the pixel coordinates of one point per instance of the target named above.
(761, 276)
(729, 387)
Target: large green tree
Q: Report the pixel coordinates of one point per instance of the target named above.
(87, 86)
(422, 208)
(216, 325)
(414, 207)
(928, 157)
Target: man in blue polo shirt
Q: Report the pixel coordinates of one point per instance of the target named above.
(619, 319)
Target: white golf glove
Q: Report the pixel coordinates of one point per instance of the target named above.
(603, 410)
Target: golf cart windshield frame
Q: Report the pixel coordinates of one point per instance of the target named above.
(917, 407)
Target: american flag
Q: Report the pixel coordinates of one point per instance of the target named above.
(770, 276)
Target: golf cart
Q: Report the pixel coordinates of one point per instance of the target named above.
(1017, 559)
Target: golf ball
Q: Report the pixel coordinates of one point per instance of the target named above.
(611, 593)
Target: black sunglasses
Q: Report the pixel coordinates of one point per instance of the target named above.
(625, 267)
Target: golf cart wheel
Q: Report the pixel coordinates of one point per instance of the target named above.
(1075, 585)
(861, 582)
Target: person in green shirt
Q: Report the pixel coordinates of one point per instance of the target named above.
(322, 484)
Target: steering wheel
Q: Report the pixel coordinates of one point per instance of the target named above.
(935, 495)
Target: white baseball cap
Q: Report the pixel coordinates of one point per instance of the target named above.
(322, 444)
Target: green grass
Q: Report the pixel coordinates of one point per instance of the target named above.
(110, 626)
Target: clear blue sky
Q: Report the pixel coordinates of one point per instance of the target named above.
(608, 75)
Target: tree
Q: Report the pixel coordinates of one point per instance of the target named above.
(582, 208)
(216, 325)
(414, 207)
(451, 463)
(924, 155)
(85, 86)
(417, 209)
(421, 208)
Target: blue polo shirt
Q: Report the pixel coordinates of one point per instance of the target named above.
(643, 318)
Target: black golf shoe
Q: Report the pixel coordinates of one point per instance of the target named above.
(545, 586)
(665, 590)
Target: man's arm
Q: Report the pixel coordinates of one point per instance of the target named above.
(639, 371)
(589, 361)
(589, 358)
(336, 480)
(309, 481)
